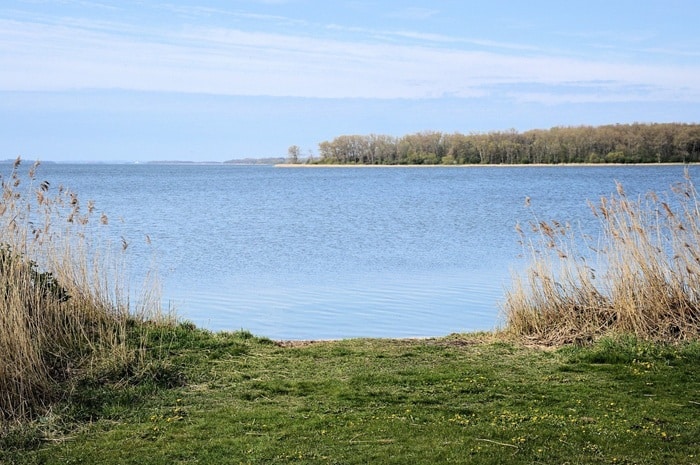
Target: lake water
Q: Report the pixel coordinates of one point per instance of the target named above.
(339, 252)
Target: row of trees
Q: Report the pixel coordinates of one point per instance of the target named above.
(621, 143)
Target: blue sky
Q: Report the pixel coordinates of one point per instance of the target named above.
(215, 80)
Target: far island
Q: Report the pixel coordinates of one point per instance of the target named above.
(619, 143)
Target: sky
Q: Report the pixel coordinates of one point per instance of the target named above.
(136, 80)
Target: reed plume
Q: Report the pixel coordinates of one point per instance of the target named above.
(641, 277)
(64, 305)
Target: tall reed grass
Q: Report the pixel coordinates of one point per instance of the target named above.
(641, 276)
(64, 302)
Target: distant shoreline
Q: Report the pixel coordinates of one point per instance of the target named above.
(515, 165)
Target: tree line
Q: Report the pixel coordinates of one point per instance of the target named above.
(619, 143)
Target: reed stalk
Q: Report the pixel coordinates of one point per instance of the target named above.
(641, 277)
(64, 307)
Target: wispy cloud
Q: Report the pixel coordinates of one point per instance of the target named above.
(414, 13)
(207, 12)
(397, 36)
(84, 54)
(80, 3)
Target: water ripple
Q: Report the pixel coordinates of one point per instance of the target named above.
(315, 254)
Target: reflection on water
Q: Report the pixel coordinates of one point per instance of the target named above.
(331, 253)
(409, 306)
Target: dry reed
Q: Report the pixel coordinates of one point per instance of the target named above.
(642, 277)
(63, 300)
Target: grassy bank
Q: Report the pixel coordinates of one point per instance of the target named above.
(460, 399)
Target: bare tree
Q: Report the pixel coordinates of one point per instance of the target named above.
(293, 154)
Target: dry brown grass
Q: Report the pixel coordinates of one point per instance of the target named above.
(641, 277)
(63, 302)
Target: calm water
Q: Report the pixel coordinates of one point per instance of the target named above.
(331, 253)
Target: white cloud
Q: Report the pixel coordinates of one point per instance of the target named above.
(78, 55)
(414, 13)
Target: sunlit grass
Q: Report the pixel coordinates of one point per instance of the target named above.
(461, 399)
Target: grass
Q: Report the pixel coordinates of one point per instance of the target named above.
(459, 399)
(641, 276)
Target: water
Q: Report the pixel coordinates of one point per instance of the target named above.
(334, 253)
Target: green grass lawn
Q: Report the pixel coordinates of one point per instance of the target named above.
(459, 399)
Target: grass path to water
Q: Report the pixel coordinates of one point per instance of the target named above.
(459, 399)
